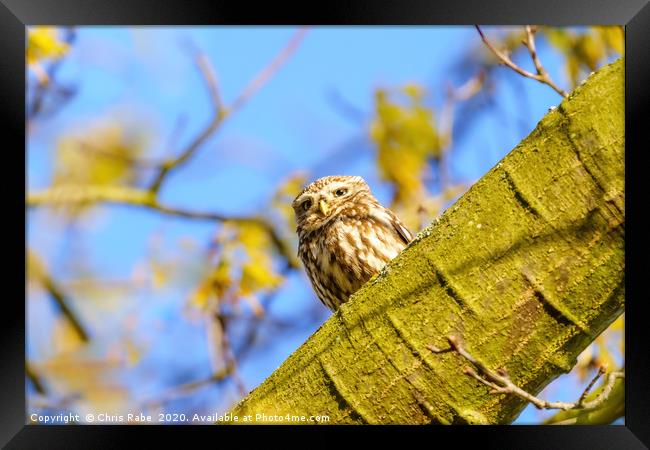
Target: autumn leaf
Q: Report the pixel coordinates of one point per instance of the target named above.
(585, 50)
(44, 43)
(406, 136)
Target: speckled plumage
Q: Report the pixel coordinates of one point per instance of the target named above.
(346, 239)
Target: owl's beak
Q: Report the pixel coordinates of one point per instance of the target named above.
(323, 207)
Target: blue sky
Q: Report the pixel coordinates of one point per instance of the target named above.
(146, 77)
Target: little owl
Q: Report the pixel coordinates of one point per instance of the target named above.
(345, 235)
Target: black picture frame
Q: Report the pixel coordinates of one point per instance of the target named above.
(15, 15)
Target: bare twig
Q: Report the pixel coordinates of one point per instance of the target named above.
(35, 379)
(266, 73)
(120, 195)
(62, 302)
(447, 118)
(600, 373)
(228, 354)
(529, 42)
(345, 108)
(210, 77)
(610, 410)
(541, 71)
(254, 325)
(219, 115)
(57, 294)
(220, 112)
(500, 383)
(187, 388)
(542, 75)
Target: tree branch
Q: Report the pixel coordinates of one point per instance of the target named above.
(122, 195)
(55, 291)
(541, 71)
(187, 388)
(537, 332)
(454, 96)
(219, 111)
(541, 75)
(266, 73)
(219, 115)
(35, 379)
(149, 197)
(500, 383)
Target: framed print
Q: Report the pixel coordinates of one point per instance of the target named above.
(371, 216)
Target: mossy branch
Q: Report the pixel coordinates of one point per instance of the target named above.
(528, 267)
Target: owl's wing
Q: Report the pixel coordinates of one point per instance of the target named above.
(402, 231)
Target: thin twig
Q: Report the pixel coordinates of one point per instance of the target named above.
(35, 379)
(500, 383)
(59, 297)
(504, 58)
(447, 118)
(283, 247)
(229, 356)
(541, 71)
(541, 75)
(187, 388)
(600, 373)
(120, 195)
(220, 112)
(345, 108)
(254, 327)
(530, 44)
(57, 294)
(210, 78)
(266, 73)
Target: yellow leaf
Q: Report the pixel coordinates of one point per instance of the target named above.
(560, 38)
(614, 38)
(590, 51)
(573, 69)
(200, 296)
(415, 91)
(158, 276)
(406, 136)
(257, 276)
(44, 43)
(253, 236)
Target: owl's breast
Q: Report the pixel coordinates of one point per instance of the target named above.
(342, 256)
(360, 247)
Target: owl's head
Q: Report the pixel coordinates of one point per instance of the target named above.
(327, 198)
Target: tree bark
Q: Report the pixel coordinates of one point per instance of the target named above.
(526, 269)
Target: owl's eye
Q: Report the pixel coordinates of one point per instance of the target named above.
(340, 192)
(306, 205)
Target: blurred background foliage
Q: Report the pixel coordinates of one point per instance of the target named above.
(161, 269)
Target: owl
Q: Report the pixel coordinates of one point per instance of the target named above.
(345, 236)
